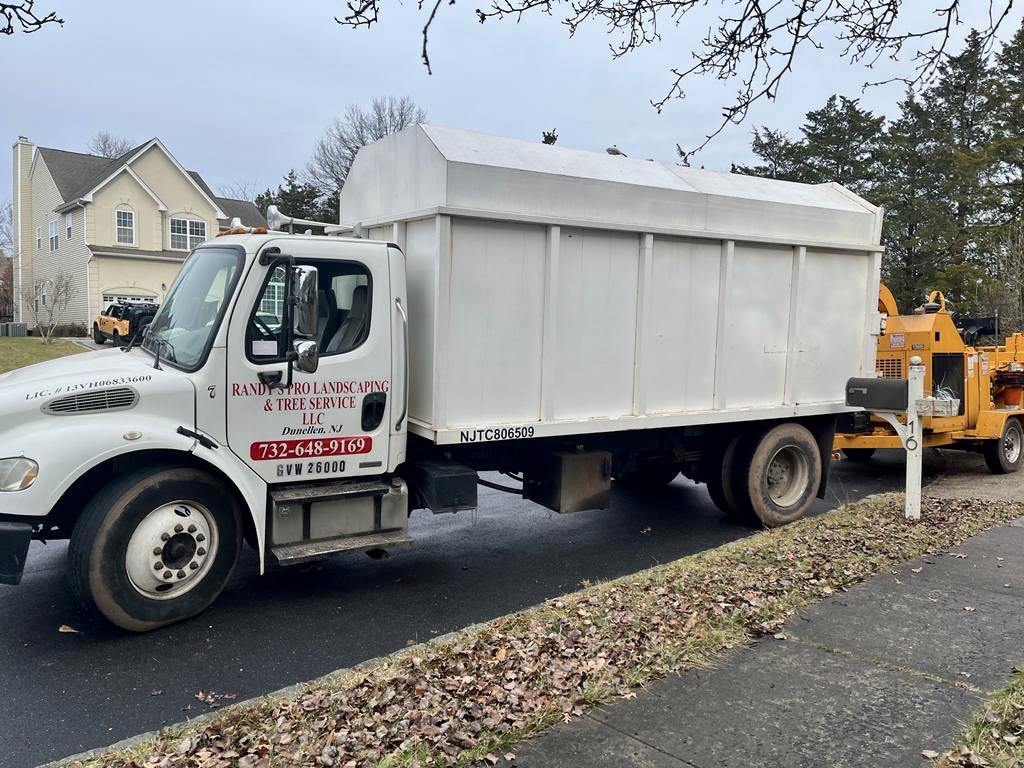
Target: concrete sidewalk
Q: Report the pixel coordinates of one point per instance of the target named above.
(870, 677)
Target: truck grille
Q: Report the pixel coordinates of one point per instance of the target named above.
(891, 368)
(117, 399)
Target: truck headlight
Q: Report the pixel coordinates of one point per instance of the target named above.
(17, 474)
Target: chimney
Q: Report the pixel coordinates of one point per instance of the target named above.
(21, 223)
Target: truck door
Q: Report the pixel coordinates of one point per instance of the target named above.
(333, 423)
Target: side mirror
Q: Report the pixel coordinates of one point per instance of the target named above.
(304, 292)
(307, 356)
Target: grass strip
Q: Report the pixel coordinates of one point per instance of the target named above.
(18, 352)
(995, 737)
(469, 698)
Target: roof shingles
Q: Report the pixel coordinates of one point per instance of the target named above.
(76, 174)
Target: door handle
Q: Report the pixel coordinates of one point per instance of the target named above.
(373, 410)
(405, 369)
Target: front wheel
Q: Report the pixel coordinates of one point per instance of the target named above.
(155, 547)
(1003, 456)
(98, 337)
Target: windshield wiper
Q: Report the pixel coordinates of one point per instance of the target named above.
(160, 342)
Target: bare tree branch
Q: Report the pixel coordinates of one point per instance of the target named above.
(336, 149)
(24, 16)
(756, 45)
(106, 144)
(239, 190)
(46, 301)
(6, 228)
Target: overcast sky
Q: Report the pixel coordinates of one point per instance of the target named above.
(241, 91)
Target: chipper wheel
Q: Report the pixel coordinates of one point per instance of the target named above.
(155, 546)
(858, 454)
(1004, 455)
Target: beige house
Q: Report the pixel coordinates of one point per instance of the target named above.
(119, 228)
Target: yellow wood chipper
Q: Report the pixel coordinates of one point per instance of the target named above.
(977, 391)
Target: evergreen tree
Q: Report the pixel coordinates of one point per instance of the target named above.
(965, 157)
(1007, 107)
(300, 200)
(782, 158)
(840, 142)
(908, 190)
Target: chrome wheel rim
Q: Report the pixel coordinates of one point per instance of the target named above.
(1012, 445)
(171, 550)
(787, 475)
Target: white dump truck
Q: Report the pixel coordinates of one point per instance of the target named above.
(568, 318)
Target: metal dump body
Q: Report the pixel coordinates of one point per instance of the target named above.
(555, 291)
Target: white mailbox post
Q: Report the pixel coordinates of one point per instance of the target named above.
(888, 399)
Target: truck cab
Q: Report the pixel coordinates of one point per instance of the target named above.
(270, 365)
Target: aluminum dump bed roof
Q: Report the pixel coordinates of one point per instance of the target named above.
(429, 169)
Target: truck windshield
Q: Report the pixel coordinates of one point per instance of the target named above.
(183, 328)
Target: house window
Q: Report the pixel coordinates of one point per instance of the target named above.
(273, 298)
(39, 238)
(125, 227)
(53, 235)
(67, 224)
(186, 234)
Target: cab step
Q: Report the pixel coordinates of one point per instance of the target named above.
(307, 492)
(304, 551)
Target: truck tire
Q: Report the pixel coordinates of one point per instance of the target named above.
(717, 492)
(858, 454)
(735, 460)
(1003, 456)
(155, 547)
(98, 337)
(783, 475)
(115, 337)
(650, 476)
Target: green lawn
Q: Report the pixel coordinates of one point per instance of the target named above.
(19, 352)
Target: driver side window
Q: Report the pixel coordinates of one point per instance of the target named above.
(344, 302)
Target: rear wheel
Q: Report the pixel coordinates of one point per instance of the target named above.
(98, 337)
(783, 474)
(858, 454)
(155, 547)
(735, 498)
(1003, 456)
(115, 337)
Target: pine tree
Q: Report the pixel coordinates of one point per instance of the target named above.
(965, 156)
(782, 158)
(907, 190)
(1007, 107)
(300, 200)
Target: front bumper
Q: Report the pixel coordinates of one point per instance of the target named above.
(14, 541)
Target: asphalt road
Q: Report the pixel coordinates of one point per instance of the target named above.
(67, 692)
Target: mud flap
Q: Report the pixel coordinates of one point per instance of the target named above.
(14, 541)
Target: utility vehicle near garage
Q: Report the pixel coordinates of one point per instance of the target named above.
(124, 321)
(562, 316)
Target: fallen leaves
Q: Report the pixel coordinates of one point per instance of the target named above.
(468, 698)
(66, 629)
(996, 734)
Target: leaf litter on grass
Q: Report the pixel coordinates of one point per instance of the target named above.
(464, 699)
